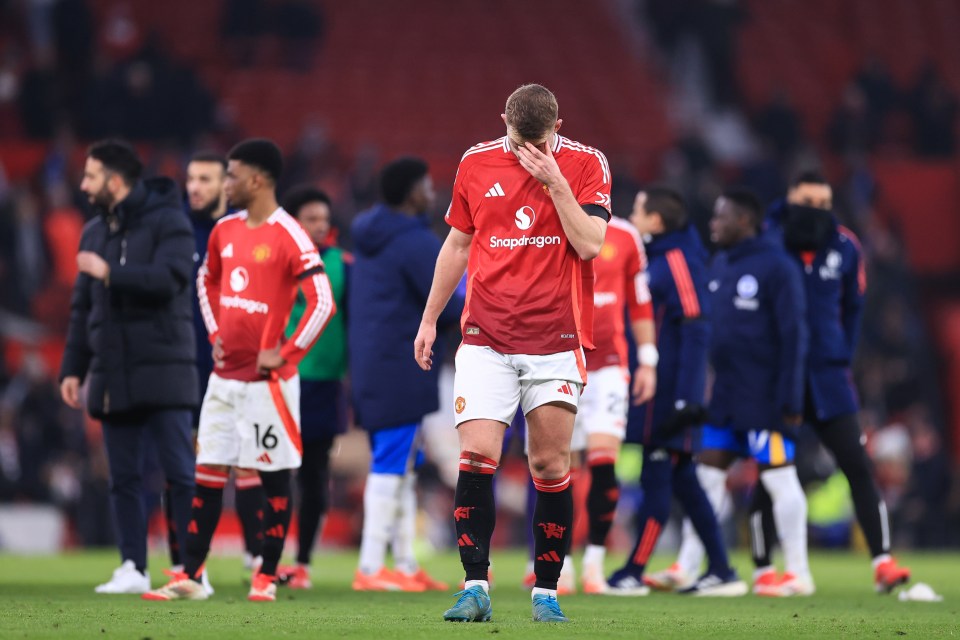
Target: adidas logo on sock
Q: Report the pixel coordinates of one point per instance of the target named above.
(465, 541)
(495, 191)
(275, 531)
(550, 556)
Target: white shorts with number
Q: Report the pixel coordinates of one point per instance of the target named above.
(603, 406)
(490, 385)
(254, 425)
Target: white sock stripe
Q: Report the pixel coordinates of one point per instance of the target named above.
(211, 478)
(475, 463)
(756, 527)
(884, 527)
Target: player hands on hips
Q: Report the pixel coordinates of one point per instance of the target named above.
(257, 259)
(528, 236)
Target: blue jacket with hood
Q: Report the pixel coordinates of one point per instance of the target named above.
(759, 341)
(394, 259)
(834, 281)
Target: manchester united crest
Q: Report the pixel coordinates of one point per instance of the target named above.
(460, 405)
(261, 252)
(608, 252)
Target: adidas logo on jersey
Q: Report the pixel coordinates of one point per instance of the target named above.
(496, 191)
(227, 251)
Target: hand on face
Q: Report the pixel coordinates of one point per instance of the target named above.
(540, 164)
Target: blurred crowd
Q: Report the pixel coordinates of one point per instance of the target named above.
(66, 80)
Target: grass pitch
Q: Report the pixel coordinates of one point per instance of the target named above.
(52, 597)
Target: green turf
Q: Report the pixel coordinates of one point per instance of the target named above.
(53, 597)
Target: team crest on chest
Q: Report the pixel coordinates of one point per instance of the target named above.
(747, 289)
(261, 253)
(608, 252)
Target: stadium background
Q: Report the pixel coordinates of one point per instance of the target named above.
(695, 93)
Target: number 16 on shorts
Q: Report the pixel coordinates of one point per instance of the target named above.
(245, 424)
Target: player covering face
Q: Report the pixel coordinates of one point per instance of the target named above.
(529, 211)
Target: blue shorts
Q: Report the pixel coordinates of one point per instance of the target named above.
(766, 447)
(396, 450)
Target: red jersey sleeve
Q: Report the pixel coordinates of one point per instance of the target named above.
(208, 285)
(459, 215)
(594, 185)
(305, 269)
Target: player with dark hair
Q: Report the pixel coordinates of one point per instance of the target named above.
(206, 203)
(677, 280)
(393, 269)
(130, 337)
(322, 401)
(529, 212)
(834, 279)
(256, 260)
(757, 351)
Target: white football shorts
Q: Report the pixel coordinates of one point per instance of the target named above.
(254, 425)
(603, 406)
(491, 385)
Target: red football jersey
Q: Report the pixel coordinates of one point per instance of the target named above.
(247, 286)
(621, 282)
(527, 289)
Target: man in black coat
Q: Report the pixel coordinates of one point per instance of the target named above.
(131, 339)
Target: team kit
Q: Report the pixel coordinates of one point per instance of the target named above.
(556, 290)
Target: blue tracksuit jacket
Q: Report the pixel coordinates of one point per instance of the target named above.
(759, 340)
(677, 274)
(834, 280)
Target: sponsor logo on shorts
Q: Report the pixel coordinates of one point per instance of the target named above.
(460, 404)
(565, 389)
(265, 458)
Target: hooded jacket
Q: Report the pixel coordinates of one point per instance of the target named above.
(834, 280)
(133, 337)
(678, 285)
(758, 345)
(394, 259)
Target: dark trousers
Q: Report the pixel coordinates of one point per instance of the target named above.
(126, 440)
